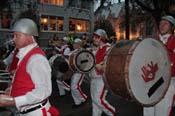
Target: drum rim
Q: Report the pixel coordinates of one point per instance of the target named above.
(104, 74)
(105, 62)
(133, 47)
(75, 59)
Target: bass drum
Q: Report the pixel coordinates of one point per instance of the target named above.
(60, 67)
(82, 61)
(138, 70)
(5, 80)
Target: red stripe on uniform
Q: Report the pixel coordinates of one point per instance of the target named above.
(44, 111)
(64, 83)
(79, 89)
(103, 102)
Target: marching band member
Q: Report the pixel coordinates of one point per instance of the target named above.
(76, 80)
(164, 107)
(97, 87)
(65, 51)
(85, 41)
(31, 86)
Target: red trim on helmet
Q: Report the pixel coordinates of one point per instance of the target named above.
(99, 37)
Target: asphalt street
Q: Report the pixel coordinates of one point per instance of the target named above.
(64, 104)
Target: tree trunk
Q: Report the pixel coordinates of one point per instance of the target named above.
(127, 19)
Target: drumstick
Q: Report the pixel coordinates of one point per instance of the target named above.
(3, 71)
(2, 92)
(6, 99)
(4, 74)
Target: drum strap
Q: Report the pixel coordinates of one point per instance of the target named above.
(100, 56)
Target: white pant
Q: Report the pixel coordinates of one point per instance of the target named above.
(98, 95)
(77, 93)
(164, 107)
(62, 86)
(39, 112)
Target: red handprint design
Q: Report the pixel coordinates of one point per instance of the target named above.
(149, 71)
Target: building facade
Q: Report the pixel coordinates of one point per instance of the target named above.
(141, 25)
(54, 17)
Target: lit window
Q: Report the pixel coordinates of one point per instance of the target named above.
(53, 2)
(60, 24)
(51, 23)
(60, 2)
(44, 23)
(5, 20)
(44, 1)
(78, 25)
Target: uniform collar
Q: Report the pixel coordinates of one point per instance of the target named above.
(100, 47)
(164, 38)
(23, 51)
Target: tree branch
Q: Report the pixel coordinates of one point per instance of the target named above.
(149, 9)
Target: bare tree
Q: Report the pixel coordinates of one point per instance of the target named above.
(4, 4)
(156, 7)
(106, 25)
(127, 18)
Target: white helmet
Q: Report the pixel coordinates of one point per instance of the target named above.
(26, 26)
(77, 40)
(66, 39)
(170, 19)
(101, 33)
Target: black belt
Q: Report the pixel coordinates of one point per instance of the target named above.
(34, 108)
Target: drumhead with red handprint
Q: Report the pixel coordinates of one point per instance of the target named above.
(148, 71)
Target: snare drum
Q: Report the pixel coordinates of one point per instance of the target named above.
(138, 70)
(5, 80)
(82, 61)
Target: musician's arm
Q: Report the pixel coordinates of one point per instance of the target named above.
(6, 100)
